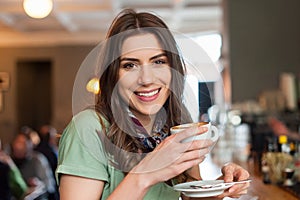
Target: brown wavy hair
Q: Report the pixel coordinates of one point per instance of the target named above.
(120, 141)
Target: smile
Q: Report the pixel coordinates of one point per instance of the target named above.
(147, 94)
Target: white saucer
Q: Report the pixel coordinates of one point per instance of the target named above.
(189, 191)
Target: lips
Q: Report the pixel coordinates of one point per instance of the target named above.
(147, 95)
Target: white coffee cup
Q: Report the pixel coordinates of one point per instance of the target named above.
(211, 134)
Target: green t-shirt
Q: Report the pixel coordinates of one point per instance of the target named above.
(81, 153)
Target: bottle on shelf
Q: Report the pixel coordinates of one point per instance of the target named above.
(270, 146)
(283, 145)
(292, 145)
(265, 170)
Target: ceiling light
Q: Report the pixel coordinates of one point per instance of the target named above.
(38, 8)
(93, 86)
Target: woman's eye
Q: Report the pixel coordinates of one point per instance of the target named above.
(128, 65)
(160, 62)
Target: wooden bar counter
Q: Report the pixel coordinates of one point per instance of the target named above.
(265, 191)
(260, 190)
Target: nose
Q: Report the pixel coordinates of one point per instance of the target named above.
(146, 75)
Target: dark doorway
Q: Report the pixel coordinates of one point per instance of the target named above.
(34, 105)
(206, 98)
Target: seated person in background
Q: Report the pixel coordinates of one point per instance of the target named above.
(4, 174)
(33, 166)
(48, 147)
(5, 193)
(12, 184)
(279, 128)
(32, 134)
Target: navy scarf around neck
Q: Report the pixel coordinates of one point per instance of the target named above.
(157, 134)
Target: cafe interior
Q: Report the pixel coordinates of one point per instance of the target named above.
(253, 45)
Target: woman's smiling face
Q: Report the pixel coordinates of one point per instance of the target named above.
(144, 75)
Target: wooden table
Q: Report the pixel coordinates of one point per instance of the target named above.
(259, 190)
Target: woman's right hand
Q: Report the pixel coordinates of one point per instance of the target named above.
(172, 157)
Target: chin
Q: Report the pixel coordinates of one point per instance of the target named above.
(153, 110)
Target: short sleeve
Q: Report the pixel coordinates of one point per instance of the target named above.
(81, 151)
(16, 182)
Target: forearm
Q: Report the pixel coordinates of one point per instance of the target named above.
(134, 185)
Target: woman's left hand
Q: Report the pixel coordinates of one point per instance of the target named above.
(233, 172)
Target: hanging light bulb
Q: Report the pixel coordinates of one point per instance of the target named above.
(38, 8)
(93, 86)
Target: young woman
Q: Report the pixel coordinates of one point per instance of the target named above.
(121, 148)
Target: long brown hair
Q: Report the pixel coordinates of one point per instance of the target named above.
(126, 150)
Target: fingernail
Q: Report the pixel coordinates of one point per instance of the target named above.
(202, 128)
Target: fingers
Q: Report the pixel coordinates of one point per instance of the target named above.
(174, 157)
(195, 130)
(183, 166)
(197, 144)
(173, 141)
(193, 155)
(236, 191)
(239, 188)
(186, 146)
(201, 147)
(196, 148)
(190, 159)
(233, 172)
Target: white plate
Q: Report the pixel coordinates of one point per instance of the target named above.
(189, 191)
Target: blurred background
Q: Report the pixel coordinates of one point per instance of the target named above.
(254, 43)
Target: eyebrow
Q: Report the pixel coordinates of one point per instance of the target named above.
(157, 56)
(135, 59)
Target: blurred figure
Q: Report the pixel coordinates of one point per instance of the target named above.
(4, 181)
(32, 134)
(5, 193)
(12, 184)
(33, 166)
(280, 128)
(48, 147)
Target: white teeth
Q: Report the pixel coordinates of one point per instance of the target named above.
(148, 94)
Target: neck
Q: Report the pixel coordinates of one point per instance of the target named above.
(147, 121)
